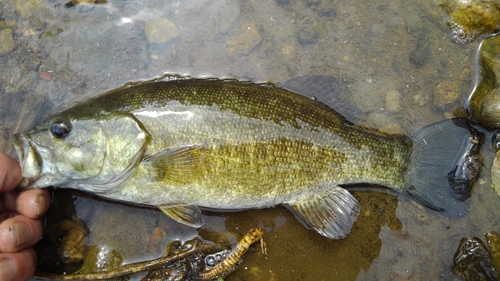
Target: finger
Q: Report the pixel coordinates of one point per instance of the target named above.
(17, 266)
(10, 173)
(18, 233)
(30, 203)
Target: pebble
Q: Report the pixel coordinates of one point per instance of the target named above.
(45, 76)
(384, 123)
(420, 99)
(312, 2)
(307, 35)
(282, 2)
(245, 40)
(25, 8)
(160, 30)
(485, 99)
(7, 44)
(445, 94)
(393, 101)
(490, 109)
(495, 173)
(420, 55)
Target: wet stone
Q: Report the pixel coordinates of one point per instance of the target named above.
(72, 246)
(446, 93)
(393, 101)
(472, 260)
(485, 100)
(307, 35)
(160, 30)
(493, 242)
(329, 13)
(421, 98)
(312, 2)
(7, 43)
(495, 173)
(282, 2)
(245, 40)
(25, 8)
(420, 55)
(469, 19)
(101, 259)
(384, 123)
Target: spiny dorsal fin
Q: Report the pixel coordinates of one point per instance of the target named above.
(331, 213)
(175, 165)
(185, 214)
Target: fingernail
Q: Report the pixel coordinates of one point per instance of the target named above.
(8, 269)
(21, 233)
(40, 203)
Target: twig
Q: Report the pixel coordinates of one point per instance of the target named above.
(129, 268)
(235, 255)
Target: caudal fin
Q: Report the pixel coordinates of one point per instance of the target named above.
(445, 164)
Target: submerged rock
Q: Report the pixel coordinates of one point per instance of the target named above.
(446, 93)
(72, 246)
(493, 241)
(495, 170)
(420, 55)
(7, 44)
(473, 261)
(306, 35)
(470, 18)
(101, 259)
(25, 8)
(421, 98)
(245, 40)
(484, 102)
(160, 30)
(393, 101)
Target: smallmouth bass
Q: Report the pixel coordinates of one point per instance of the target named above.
(182, 144)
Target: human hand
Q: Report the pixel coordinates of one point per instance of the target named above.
(20, 226)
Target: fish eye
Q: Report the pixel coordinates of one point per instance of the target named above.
(60, 128)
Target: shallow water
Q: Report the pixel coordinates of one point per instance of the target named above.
(63, 55)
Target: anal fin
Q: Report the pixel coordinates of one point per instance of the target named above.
(331, 213)
(185, 214)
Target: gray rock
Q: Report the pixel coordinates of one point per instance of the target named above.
(307, 35)
(7, 43)
(160, 30)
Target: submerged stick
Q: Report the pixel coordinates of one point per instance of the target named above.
(235, 255)
(129, 268)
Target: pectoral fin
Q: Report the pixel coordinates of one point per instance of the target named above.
(186, 214)
(175, 165)
(331, 213)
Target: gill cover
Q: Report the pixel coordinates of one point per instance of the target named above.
(92, 154)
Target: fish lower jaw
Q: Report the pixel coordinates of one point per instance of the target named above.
(28, 159)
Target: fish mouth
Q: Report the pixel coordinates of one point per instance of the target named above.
(29, 159)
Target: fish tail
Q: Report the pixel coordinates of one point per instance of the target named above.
(445, 164)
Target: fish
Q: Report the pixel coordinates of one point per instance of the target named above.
(185, 144)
